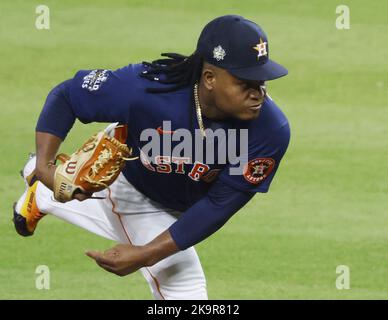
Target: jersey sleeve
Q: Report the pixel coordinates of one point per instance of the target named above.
(102, 95)
(256, 169)
(208, 214)
(57, 115)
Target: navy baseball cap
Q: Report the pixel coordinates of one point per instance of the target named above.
(239, 46)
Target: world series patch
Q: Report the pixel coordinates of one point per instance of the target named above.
(94, 79)
(256, 170)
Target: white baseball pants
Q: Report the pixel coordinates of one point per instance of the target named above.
(127, 216)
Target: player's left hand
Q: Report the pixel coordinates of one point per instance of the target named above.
(121, 260)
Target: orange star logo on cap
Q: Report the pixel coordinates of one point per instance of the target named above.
(261, 47)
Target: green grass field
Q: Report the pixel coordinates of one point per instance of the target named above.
(328, 203)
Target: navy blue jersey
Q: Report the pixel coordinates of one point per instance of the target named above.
(177, 181)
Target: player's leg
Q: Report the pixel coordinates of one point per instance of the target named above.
(179, 276)
(26, 214)
(37, 201)
(88, 214)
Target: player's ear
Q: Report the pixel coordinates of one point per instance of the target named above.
(208, 76)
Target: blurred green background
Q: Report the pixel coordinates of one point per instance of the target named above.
(328, 203)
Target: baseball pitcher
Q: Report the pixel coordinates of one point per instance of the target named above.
(190, 140)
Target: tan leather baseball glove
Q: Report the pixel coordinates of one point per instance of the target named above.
(92, 168)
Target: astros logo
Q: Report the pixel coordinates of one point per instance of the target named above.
(261, 47)
(258, 169)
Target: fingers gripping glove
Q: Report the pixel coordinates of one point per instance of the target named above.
(92, 168)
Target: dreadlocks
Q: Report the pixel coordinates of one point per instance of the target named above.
(179, 71)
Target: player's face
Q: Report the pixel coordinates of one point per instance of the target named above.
(235, 97)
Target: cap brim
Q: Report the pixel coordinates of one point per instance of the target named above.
(268, 71)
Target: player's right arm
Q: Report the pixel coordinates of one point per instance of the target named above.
(55, 121)
(47, 146)
(78, 98)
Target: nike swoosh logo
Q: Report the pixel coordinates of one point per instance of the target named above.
(161, 131)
